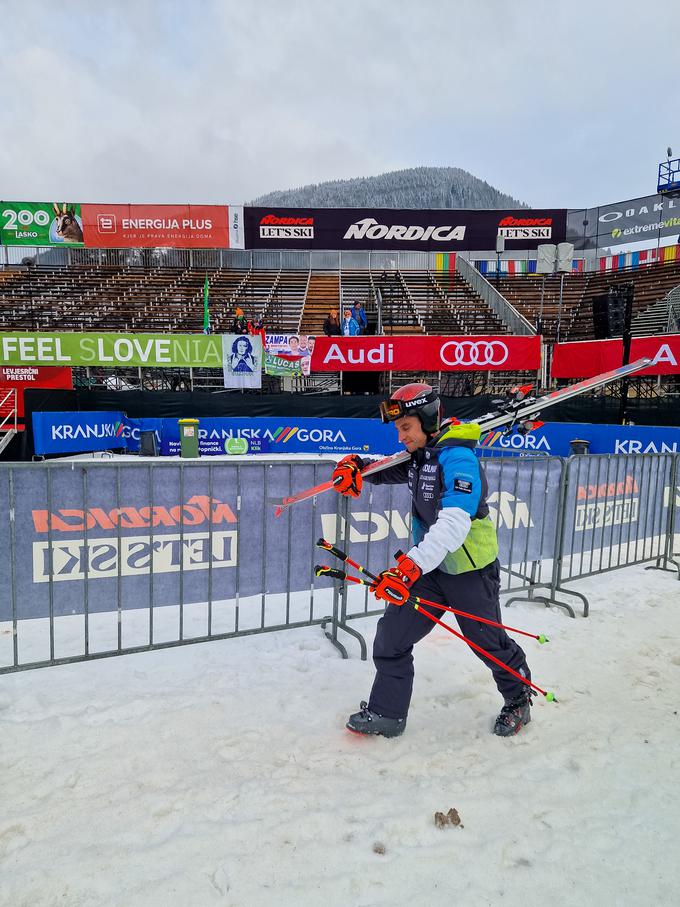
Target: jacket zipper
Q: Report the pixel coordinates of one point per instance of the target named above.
(468, 556)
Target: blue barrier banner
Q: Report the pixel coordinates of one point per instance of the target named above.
(280, 435)
(554, 439)
(79, 432)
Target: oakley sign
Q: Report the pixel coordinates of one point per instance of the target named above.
(474, 352)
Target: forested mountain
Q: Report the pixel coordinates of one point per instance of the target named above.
(419, 187)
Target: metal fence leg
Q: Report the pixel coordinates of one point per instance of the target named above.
(338, 619)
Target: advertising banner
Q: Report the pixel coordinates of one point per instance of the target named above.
(613, 502)
(242, 357)
(90, 538)
(57, 432)
(41, 224)
(111, 350)
(635, 220)
(29, 377)
(553, 438)
(220, 435)
(288, 354)
(586, 358)
(440, 230)
(153, 226)
(415, 352)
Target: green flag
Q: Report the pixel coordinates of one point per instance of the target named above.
(206, 306)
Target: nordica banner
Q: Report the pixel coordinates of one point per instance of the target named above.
(107, 537)
(439, 230)
(111, 537)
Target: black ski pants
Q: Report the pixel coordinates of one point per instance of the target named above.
(401, 626)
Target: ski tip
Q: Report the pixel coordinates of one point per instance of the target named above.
(550, 697)
(541, 638)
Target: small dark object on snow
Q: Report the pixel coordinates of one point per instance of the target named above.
(379, 847)
(451, 818)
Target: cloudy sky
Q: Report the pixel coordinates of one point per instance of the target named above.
(558, 104)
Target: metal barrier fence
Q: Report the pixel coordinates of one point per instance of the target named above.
(100, 558)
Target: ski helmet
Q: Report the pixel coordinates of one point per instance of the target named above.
(417, 399)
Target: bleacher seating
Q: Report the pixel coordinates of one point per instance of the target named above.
(108, 297)
(538, 296)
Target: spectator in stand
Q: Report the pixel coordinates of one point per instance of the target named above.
(331, 326)
(350, 326)
(360, 317)
(239, 325)
(256, 329)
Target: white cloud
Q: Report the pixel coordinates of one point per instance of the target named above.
(222, 101)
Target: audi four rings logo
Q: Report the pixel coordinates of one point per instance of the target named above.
(474, 352)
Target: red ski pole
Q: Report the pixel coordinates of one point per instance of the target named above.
(332, 573)
(322, 543)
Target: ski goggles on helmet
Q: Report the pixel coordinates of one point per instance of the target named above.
(391, 410)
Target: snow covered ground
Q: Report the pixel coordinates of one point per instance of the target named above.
(221, 773)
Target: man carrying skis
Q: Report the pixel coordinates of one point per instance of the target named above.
(453, 561)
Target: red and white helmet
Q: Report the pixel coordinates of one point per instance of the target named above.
(417, 399)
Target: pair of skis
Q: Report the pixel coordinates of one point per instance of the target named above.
(512, 413)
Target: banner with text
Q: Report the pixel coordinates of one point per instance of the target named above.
(30, 377)
(586, 358)
(135, 226)
(41, 224)
(438, 229)
(111, 350)
(415, 352)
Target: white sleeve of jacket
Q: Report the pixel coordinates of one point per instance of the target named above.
(447, 533)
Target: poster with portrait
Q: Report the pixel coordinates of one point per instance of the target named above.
(242, 360)
(288, 354)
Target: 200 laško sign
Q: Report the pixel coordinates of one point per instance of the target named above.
(111, 350)
(426, 353)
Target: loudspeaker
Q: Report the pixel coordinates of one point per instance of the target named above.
(609, 311)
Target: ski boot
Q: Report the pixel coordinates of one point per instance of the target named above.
(514, 715)
(368, 722)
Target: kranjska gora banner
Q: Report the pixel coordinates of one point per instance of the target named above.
(112, 350)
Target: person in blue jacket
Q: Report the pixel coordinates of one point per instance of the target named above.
(350, 326)
(453, 560)
(359, 316)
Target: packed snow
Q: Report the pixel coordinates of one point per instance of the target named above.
(221, 773)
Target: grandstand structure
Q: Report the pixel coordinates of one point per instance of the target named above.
(133, 299)
(403, 292)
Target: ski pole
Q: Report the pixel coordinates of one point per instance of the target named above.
(332, 573)
(322, 543)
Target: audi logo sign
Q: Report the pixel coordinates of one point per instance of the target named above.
(420, 353)
(474, 352)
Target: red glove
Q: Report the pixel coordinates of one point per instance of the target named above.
(346, 476)
(393, 585)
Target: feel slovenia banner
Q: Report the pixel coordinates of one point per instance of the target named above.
(111, 350)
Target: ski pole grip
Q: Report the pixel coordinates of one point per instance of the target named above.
(330, 572)
(336, 552)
